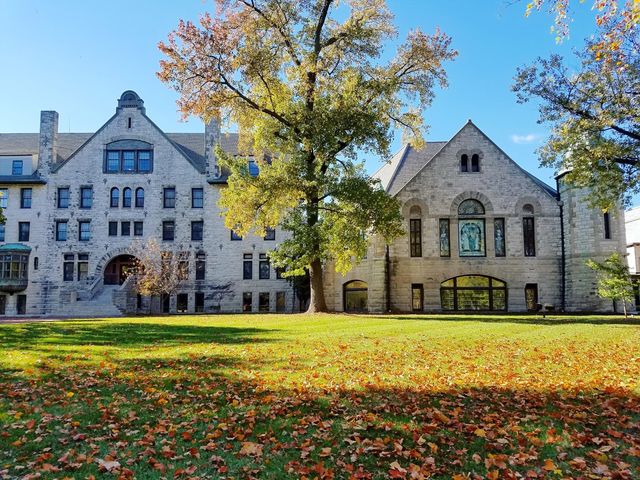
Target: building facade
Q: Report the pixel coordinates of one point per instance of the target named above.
(482, 233)
(76, 203)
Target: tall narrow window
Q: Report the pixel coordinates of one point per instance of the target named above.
(464, 163)
(246, 301)
(114, 198)
(169, 197)
(415, 237)
(128, 161)
(499, 237)
(4, 197)
(264, 272)
(2, 230)
(138, 229)
(197, 198)
(67, 267)
(199, 306)
(445, 243)
(607, 225)
(24, 231)
(83, 266)
(254, 169)
(84, 230)
(113, 229)
(197, 229)
(139, 197)
(16, 167)
(126, 197)
(263, 302)
(247, 266)
(475, 162)
(417, 297)
(125, 229)
(200, 266)
(281, 304)
(144, 161)
(113, 161)
(471, 232)
(63, 197)
(528, 231)
(86, 197)
(25, 197)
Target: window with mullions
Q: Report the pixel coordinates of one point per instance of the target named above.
(25, 197)
(168, 230)
(473, 292)
(114, 198)
(264, 271)
(139, 197)
(270, 234)
(14, 266)
(200, 266)
(86, 197)
(528, 232)
(471, 232)
(138, 229)
(4, 197)
(2, 230)
(61, 230)
(169, 197)
(24, 230)
(63, 197)
(84, 230)
(197, 198)
(128, 161)
(247, 266)
(126, 198)
(16, 167)
(197, 229)
(415, 237)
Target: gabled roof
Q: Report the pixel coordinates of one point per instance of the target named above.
(409, 162)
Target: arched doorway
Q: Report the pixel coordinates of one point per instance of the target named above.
(473, 292)
(118, 269)
(355, 296)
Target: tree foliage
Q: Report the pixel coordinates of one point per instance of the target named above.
(157, 271)
(594, 113)
(614, 281)
(305, 84)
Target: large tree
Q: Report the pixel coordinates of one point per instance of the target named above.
(614, 280)
(594, 113)
(306, 84)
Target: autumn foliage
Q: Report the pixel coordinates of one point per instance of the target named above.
(321, 397)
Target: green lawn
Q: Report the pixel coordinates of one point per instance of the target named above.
(326, 396)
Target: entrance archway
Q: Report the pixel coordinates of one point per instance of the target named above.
(356, 296)
(118, 269)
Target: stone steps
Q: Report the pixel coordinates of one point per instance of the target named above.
(99, 306)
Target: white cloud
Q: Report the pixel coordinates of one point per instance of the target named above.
(529, 138)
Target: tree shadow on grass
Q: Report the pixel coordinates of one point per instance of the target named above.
(523, 319)
(29, 335)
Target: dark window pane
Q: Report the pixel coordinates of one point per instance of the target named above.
(445, 244)
(200, 269)
(528, 231)
(475, 163)
(125, 229)
(270, 234)
(83, 270)
(235, 236)
(199, 307)
(113, 229)
(281, 304)
(138, 229)
(2, 233)
(246, 301)
(21, 306)
(25, 197)
(471, 207)
(68, 271)
(139, 197)
(23, 231)
(168, 230)
(247, 269)
(607, 225)
(197, 230)
(63, 198)
(169, 197)
(182, 302)
(114, 199)
(415, 237)
(499, 237)
(417, 297)
(464, 163)
(263, 302)
(126, 197)
(265, 270)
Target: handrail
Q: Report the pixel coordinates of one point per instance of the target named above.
(94, 286)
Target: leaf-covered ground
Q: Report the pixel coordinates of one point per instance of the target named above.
(326, 396)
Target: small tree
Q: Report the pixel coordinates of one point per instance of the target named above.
(157, 271)
(614, 281)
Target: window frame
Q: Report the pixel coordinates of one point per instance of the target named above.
(112, 229)
(126, 223)
(168, 202)
(529, 236)
(137, 224)
(194, 229)
(21, 237)
(139, 199)
(195, 199)
(4, 197)
(114, 160)
(86, 203)
(60, 197)
(263, 262)
(17, 172)
(415, 237)
(114, 197)
(165, 230)
(58, 230)
(270, 234)
(82, 223)
(126, 197)
(26, 197)
(247, 266)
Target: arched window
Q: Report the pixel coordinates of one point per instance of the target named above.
(471, 232)
(126, 197)
(475, 162)
(473, 292)
(115, 197)
(527, 209)
(415, 231)
(355, 296)
(139, 197)
(464, 163)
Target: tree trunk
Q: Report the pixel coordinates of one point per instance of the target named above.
(316, 302)
(624, 307)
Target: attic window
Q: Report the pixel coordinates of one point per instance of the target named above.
(475, 162)
(464, 163)
(129, 122)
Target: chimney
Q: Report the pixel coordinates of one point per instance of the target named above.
(211, 139)
(48, 145)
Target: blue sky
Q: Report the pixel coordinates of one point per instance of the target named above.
(77, 57)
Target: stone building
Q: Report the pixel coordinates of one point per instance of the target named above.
(76, 202)
(482, 233)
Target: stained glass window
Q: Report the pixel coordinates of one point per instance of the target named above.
(499, 237)
(445, 244)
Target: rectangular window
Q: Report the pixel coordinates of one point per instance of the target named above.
(445, 244)
(113, 229)
(528, 231)
(166, 302)
(63, 197)
(86, 197)
(1, 233)
(25, 197)
(168, 230)
(270, 234)
(197, 198)
(67, 274)
(3, 304)
(16, 167)
(531, 296)
(138, 229)
(417, 297)
(254, 169)
(4, 197)
(607, 226)
(144, 161)
(169, 197)
(235, 236)
(83, 270)
(264, 272)
(125, 229)
(197, 228)
(247, 266)
(113, 161)
(182, 303)
(21, 305)
(200, 266)
(263, 302)
(415, 237)
(499, 237)
(280, 302)
(84, 230)
(61, 230)
(128, 161)
(24, 229)
(247, 300)
(199, 307)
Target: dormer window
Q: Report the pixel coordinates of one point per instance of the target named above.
(128, 156)
(16, 167)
